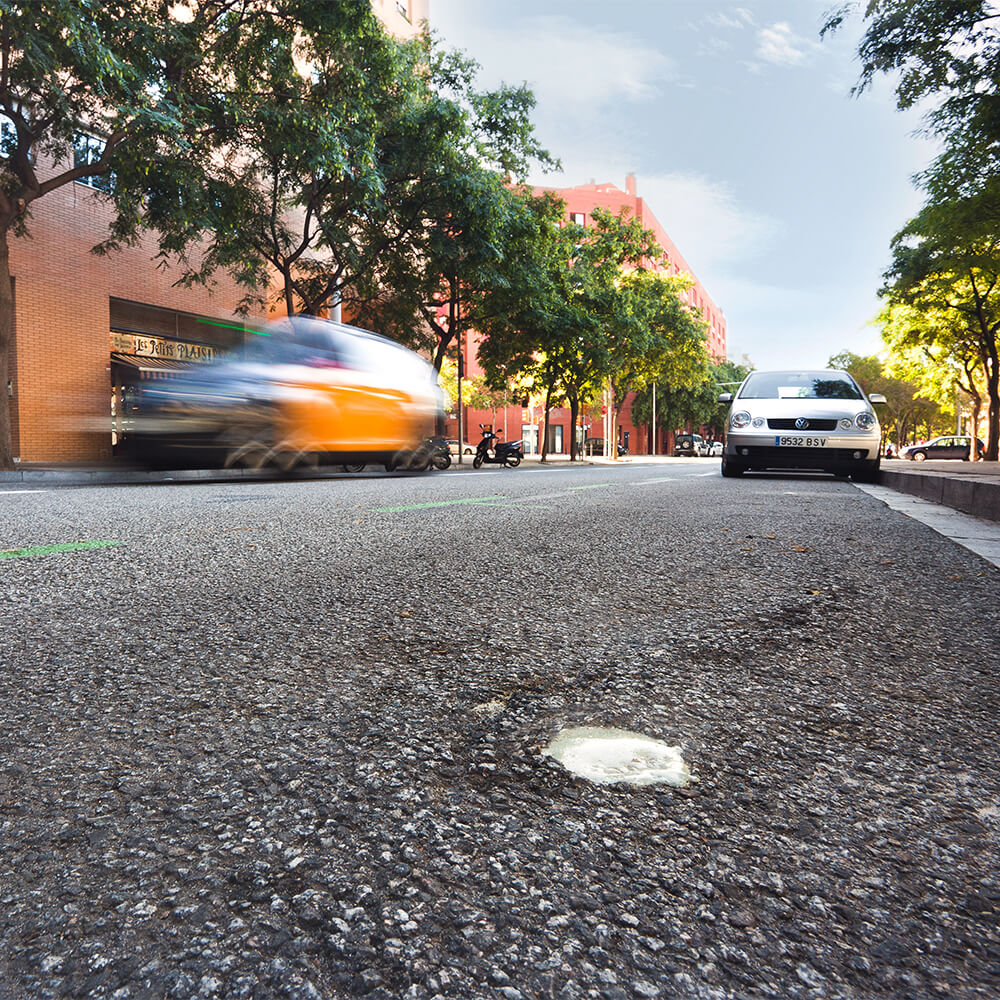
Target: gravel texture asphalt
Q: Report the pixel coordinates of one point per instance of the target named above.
(284, 740)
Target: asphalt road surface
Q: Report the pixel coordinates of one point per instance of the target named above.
(285, 740)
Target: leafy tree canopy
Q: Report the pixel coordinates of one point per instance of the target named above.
(946, 52)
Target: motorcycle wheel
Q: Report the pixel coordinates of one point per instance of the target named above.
(442, 462)
(477, 462)
(513, 461)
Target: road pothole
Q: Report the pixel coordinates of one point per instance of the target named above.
(605, 756)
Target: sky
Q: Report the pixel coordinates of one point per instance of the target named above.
(780, 188)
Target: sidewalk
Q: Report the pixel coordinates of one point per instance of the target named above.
(971, 487)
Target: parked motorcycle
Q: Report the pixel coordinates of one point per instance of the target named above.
(507, 453)
(440, 453)
(433, 452)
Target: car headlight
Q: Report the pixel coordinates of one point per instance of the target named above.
(865, 421)
(739, 420)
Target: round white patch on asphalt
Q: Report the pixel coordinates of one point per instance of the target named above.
(605, 756)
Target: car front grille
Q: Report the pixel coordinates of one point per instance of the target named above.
(812, 424)
(807, 458)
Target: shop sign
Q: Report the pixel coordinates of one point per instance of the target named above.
(143, 346)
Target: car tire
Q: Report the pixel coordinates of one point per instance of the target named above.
(354, 467)
(731, 469)
(469, 451)
(920, 456)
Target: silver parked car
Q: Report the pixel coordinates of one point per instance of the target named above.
(802, 420)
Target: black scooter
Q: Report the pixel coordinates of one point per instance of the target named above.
(508, 453)
(440, 455)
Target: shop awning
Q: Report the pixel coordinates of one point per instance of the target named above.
(151, 367)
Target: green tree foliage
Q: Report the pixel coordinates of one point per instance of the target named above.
(378, 182)
(945, 55)
(562, 326)
(692, 403)
(946, 262)
(123, 71)
(659, 336)
(266, 137)
(906, 403)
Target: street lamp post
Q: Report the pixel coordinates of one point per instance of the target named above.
(654, 420)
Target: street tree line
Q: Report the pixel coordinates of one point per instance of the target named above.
(317, 160)
(941, 318)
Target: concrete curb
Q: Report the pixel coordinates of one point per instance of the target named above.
(979, 496)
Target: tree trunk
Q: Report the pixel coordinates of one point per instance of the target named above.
(991, 362)
(574, 416)
(545, 422)
(6, 336)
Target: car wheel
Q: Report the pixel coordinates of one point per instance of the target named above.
(354, 467)
(731, 469)
(920, 456)
(468, 451)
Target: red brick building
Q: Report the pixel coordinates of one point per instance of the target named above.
(526, 422)
(87, 329)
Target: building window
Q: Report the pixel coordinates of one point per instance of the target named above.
(88, 149)
(8, 135)
(578, 217)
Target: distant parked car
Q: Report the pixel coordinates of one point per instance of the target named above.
(957, 447)
(690, 446)
(466, 449)
(595, 446)
(715, 449)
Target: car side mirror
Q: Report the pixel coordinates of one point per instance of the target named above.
(725, 397)
(876, 398)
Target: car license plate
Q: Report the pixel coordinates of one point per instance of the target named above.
(784, 441)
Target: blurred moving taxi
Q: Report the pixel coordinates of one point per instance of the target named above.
(303, 390)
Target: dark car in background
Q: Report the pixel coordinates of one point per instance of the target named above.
(955, 447)
(690, 446)
(595, 446)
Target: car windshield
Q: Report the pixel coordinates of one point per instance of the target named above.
(799, 385)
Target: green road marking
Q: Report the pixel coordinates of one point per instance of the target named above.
(493, 501)
(437, 503)
(46, 550)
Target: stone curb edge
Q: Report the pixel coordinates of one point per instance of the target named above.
(978, 497)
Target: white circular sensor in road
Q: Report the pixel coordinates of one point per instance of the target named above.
(605, 756)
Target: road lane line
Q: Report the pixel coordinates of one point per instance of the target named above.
(436, 503)
(24, 491)
(45, 550)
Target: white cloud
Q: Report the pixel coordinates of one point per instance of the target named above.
(705, 220)
(565, 61)
(739, 18)
(781, 46)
